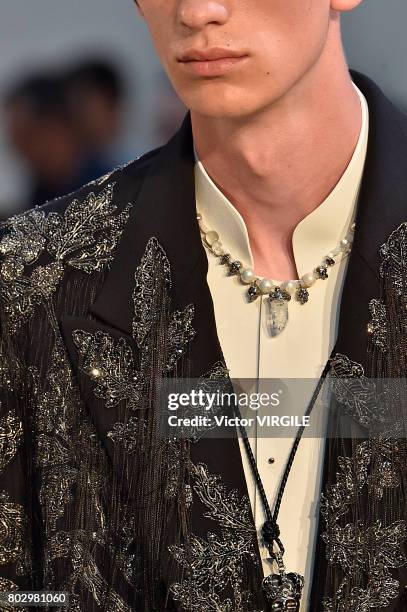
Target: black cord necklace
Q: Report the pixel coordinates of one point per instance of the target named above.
(283, 590)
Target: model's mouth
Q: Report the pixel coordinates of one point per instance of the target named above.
(210, 62)
(212, 53)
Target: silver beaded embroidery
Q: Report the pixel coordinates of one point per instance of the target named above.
(83, 237)
(216, 562)
(12, 529)
(356, 394)
(13, 522)
(180, 334)
(111, 365)
(377, 327)
(153, 271)
(366, 553)
(67, 446)
(394, 256)
(11, 434)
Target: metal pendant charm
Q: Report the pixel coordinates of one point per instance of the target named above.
(253, 292)
(277, 317)
(283, 591)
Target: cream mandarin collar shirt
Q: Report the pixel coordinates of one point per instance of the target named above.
(300, 351)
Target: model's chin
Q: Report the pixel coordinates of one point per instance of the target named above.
(221, 99)
(222, 109)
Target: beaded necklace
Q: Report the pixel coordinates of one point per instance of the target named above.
(279, 294)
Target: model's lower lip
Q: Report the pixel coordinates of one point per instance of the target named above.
(212, 67)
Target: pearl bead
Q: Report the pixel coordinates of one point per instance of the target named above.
(308, 279)
(344, 243)
(265, 285)
(198, 216)
(217, 248)
(211, 237)
(289, 286)
(247, 275)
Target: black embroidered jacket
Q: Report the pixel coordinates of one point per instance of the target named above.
(104, 293)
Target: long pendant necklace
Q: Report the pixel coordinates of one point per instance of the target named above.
(283, 590)
(279, 295)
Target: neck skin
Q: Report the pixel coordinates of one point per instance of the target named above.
(278, 166)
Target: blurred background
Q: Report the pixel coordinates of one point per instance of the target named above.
(81, 90)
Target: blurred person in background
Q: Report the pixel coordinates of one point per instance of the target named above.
(266, 240)
(95, 92)
(47, 131)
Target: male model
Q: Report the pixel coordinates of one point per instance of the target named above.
(266, 240)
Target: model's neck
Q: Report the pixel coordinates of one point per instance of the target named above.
(278, 166)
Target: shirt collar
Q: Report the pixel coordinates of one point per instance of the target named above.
(317, 234)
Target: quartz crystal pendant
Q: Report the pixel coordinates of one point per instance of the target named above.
(277, 316)
(283, 591)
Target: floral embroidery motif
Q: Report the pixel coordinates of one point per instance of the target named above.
(111, 364)
(73, 470)
(90, 576)
(180, 334)
(215, 563)
(55, 416)
(126, 434)
(365, 552)
(394, 256)
(356, 393)
(12, 529)
(13, 540)
(11, 434)
(153, 271)
(152, 282)
(83, 237)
